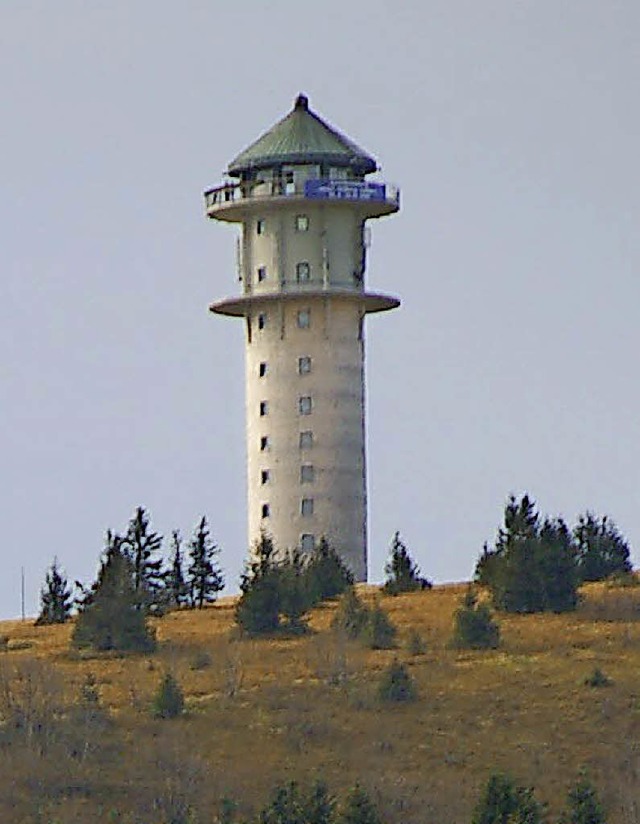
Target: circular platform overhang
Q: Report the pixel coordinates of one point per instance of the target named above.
(243, 306)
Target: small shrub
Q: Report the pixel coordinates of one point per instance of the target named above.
(358, 808)
(503, 801)
(474, 628)
(89, 692)
(583, 806)
(201, 660)
(351, 616)
(169, 698)
(396, 685)
(598, 679)
(416, 644)
(378, 632)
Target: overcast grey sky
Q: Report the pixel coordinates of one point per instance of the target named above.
(512, 127)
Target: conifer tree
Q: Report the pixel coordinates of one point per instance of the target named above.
(583, 806)
(358, 808)
(109, 616)
(327, 573)
(601, 549)
(141, 546)
(55, 597)
(473, 625)
(205, 579)
(351, 615)
(258, 609)
(177, 591)
(402, 571)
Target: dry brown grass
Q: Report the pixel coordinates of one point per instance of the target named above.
(263, 711)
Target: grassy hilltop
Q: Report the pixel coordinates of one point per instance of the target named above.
(260, 712)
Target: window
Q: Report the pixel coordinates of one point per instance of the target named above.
(262, 273)
(262, 320)
(262, 369)
(264, 408)
(306, 440)
(302, 223)
(306, 507)
(304, 405)
(264, 476)
(265, 443)
(260, 226)
(307, 474)
(307, 542)
(303, 271)
(304, 319)
(304, 366)
(265, 510)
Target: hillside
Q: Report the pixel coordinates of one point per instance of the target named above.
(264, 711)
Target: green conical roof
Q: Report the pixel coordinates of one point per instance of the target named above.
(302, 137)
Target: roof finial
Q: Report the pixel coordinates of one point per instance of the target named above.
(302, 102)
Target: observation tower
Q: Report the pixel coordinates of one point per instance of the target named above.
(301, 198)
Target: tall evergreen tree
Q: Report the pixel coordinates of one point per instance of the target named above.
(327, 573)
(205, 579)
(402, 571)
(55, 597)
(177, 591)
(109, 616)
(601, 549)
(258, 609)
(141, 547)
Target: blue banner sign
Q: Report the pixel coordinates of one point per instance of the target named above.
(344, 190)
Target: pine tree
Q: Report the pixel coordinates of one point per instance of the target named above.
(402, 571)
(286, 806)
(583, 805)
(177, 591)
(258, 609)
(55, 597)
(168, 701)
(378, 631)
(327, 573)
(601, 549)
(140, 545)
(205, 579)
(351, 616)
(109, 616)
(473, 625)
(396, 685)
(358, 809)
(503, 802)
(295, 595)
(320, 805)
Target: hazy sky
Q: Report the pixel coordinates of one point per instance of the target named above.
(512, 128)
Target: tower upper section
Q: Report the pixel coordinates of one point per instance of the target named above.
(301, 196)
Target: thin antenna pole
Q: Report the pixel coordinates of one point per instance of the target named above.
(22, 592)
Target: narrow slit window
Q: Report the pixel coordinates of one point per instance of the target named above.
(262, 369)
(262, 273)
(306, 440)
(266, 511)
(265, 443)
(305, 405)
(264, 409)
(307, 474)
(262, 320)
(265, 476)
(304, 319)
(304, 365)
(260, 226)
(306, 507)
(303, 271)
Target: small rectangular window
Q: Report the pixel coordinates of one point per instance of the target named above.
(305, 405)
(303, 271)
(306, 440)
(262, 320)
(302, 223)
(260, 226)
(265, 510)
(262, 273)
(304, 365)
(304, 319)
(262, 369)
(307, 543)
(264, 476)
(265, 443)
(307, 474)
(306, 507)
(264, 408)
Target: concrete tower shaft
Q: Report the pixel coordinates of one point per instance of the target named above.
(302, 202)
